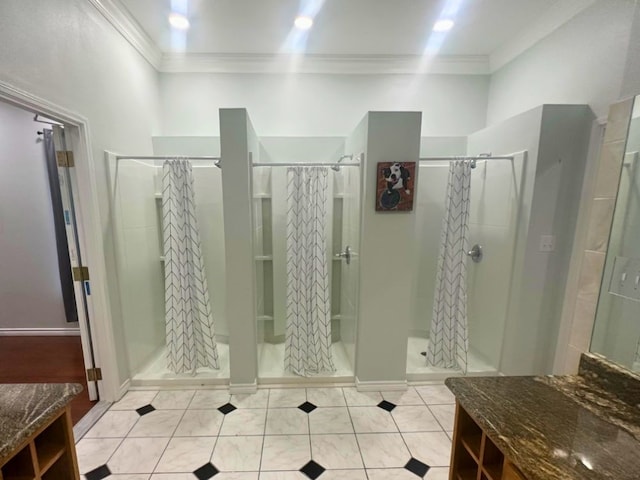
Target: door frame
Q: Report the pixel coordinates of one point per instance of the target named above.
(79, 141)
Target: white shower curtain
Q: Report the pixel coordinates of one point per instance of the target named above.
(448, 337)
(189, 320)
(308, 333)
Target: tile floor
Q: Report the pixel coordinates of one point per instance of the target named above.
(275, 434)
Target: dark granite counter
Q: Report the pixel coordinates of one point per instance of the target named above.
(24, 408)
(580, 427)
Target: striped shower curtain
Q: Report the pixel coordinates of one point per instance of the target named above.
(448, 337)
(189, 319)
(308, 332)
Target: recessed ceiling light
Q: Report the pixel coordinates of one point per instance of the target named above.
(179, 21)
(303, 23)
(443, 25)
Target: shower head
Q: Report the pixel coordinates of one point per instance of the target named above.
(336, 167)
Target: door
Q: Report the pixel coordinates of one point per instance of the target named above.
(350, 263)
(80, 270)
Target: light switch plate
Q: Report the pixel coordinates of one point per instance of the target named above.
(547, 243)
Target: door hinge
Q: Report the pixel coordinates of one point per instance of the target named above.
(65, 158)
(94, 374)
(80, 274)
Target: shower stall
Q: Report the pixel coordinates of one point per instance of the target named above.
(491, 209)
(326, 196)
(167, 221)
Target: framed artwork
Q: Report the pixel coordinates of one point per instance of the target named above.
(395, 186)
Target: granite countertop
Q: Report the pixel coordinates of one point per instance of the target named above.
(579, 427)
(24, 408)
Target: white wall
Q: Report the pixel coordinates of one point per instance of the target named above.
(582, 62)
(631, 81)
(66, 52)
(30, 291)
(321, 105)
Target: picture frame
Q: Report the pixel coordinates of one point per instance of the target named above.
(395, 186)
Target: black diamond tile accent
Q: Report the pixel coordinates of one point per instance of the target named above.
(307, 407)
(144, 410)
(98, 473)
(417, 467)
(313, 470)
(206, 471)
(227, 408)
(388, 406)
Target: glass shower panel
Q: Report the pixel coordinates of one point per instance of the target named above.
(138, 226)
(495, 187)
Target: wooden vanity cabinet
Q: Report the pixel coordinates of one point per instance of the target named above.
(474, 456)
(48, 454)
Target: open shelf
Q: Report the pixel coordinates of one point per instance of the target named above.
(48, 455)
(475, 455)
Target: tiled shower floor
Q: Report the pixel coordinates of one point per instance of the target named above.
(276, 434)
(271, 362)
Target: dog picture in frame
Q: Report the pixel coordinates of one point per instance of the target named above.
(395, 187)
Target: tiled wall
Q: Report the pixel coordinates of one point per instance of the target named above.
(601, 209)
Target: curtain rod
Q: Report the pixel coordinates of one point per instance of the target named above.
(300, 164)
(164, 157)
(435, 159)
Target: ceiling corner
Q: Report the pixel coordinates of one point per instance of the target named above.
(120, 18)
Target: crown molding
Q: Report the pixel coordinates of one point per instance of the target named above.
(556, 16)
(120, 18)
(329, 64)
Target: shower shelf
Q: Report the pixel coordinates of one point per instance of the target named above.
(264, 258)
(264, 318)
(162, 258)
(158, 196)
(262, 195)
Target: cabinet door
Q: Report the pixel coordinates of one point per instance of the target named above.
(511, 473)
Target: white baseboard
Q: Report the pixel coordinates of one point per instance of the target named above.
(240, 388)
(387, 386)
(40, 332)
(124, 388)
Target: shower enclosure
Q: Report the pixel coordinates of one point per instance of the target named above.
(495, 186)
(139, 220)
(272, 253)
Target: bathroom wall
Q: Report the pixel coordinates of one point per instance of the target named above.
(555, 138)
(66, 52)
(321, 105)
(30, 291)
(582, 62)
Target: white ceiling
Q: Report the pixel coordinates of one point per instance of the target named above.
(342, 27)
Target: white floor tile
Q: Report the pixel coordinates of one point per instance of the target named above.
(260, 399)
(415, 419)
(134, 399)
(390, 474)
(438, 473)
(432, 448)
(238, 454)
(199, 423)
(93, 452)
(283, 476)
(186, 454)
(287, 421)
(161, 423)
(135, 476)
(237, 476)
(344, 475)
(383, 450)
(445, 414)
(287, 397)
(137, 455)
(360, 399)
(173, 399)
(336, 451)
(209, 399)
(436, 394)
(326, 397)
(407, 397)
(330, 420)
(285, 452)
(116, 423)
(172, 476)
(244, 422)
(372, 420)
